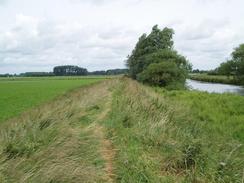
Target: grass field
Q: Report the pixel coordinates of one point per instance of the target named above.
(214, 78)
(19, 94)
(121, 131)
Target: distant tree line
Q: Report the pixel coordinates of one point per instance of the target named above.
(36, 74)
(8, 75)
(68, 70)
(109, 72)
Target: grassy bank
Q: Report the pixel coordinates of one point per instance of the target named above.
(19, 94)
(215, 128)
(214, 78)
(176, 136)
(121, 131)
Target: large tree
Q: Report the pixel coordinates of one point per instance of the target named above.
(157, 48)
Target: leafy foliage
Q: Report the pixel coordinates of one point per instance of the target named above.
(238, 59)
(234, 66)
(226, 68)
(162, 74)
(154, 49)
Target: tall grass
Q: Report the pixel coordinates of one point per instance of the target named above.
(168, 136)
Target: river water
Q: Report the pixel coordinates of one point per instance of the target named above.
(214, 87)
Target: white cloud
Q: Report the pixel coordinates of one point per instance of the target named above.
(41, 45)
(99, 34)
(208, 43)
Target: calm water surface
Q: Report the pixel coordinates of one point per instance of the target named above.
(214, 87)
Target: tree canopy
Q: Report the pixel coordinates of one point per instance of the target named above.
(234, 66)
(154, 61)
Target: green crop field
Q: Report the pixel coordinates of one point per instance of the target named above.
(19, 94)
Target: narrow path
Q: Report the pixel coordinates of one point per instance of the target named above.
(107, 152)
(106, 148)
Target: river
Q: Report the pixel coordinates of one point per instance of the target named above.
(214, 87)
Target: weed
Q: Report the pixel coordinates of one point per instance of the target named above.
(45, 123)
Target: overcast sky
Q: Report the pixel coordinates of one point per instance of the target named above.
(99, 34)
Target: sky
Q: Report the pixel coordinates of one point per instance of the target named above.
(100, 34)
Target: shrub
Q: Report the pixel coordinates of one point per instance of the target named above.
(162, 74)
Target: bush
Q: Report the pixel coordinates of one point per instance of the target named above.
(162, 74)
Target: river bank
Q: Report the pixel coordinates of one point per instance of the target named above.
(214, 78)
